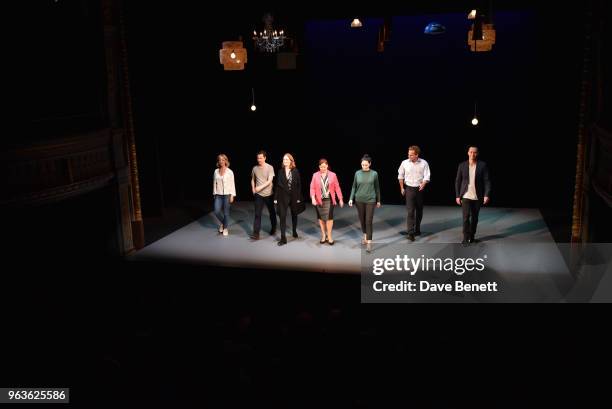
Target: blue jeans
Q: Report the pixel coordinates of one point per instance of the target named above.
(222, 209)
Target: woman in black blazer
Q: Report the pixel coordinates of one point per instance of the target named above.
(288, 194)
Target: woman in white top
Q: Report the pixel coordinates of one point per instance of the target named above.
(224, 192)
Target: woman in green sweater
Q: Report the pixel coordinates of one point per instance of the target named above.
(366, 194)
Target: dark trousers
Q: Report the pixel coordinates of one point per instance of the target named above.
(366, 214)
(470, 208)
(260, 202)
(284, 204)
(414, 206)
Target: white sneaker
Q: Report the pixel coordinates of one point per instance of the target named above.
(221, 229)
(225, 232)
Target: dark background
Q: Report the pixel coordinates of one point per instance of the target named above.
(344, 100)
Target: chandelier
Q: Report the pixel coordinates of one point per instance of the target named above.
(269, 39)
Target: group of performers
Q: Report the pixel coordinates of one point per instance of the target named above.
(282, 194)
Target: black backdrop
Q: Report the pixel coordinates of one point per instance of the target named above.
(345, 99)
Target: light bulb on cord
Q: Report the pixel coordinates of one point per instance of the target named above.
(253, 107)
(233, 55)
(475, 121)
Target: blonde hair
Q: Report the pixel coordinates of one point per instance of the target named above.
(290, 156)
(223, 157)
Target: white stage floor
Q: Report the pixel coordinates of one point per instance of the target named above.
(200, 243)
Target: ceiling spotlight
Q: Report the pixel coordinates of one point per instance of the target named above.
(435, 29)
(356, 23)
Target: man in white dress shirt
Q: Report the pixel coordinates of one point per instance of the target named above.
(413, 176)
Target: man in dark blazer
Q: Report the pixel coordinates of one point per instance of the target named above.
(472, 190)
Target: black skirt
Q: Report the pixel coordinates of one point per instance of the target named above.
(325, 212)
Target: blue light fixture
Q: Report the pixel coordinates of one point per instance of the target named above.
(435, 29)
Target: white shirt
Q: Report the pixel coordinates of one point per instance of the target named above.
(471, 190)
(413, 173)
(224, 185)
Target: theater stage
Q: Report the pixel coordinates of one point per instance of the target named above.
(504, 231)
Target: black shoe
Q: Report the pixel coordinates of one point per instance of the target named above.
(254, 236)
(273, 231)
(465, 243)
(417, 233)
(281, 242)
(411, 237)
(295, 235)
(474, 241)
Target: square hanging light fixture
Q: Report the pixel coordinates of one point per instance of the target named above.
(481, 40)
(233, 55)
(481, 36)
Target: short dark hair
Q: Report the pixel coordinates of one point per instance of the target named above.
(262, 152)
(415, 148)
(367, 158)
(323, 160)
(473, 146)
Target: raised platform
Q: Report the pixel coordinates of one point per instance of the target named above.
(200, 243)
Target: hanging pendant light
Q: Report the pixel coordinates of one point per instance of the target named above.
(253, 106)
(356, 23)
(232, 55)
(481, 36)
(475, 120)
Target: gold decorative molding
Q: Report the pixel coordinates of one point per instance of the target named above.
(50, 171)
